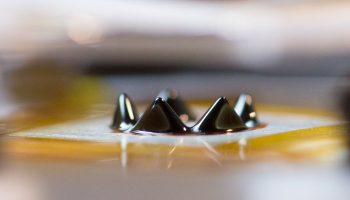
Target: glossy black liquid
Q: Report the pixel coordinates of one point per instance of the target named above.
(125, 115)
(159, 118)
(244, 107)
(174, 100)
(218, 119)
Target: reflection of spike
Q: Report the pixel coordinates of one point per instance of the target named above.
(159, 118)
(172, 97)
(244, 107)
(219, 118)
(125, 115)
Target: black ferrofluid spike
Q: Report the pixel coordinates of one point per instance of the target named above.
(219, 118)
(125, 115)
(244, 107)
(174, 100)
(159, 118)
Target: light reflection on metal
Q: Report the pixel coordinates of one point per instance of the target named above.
(242, 144)
(209, 147)
(214, 158)
(124, 152)
(172, 150)
(170, 164)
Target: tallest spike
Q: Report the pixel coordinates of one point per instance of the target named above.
(125, 115)
(159, 118)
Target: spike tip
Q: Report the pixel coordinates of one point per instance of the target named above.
(244, 107)
(125, 115)
(174, 100)
(159, 118)
(219, 118)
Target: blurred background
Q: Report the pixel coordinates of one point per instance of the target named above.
(273, 49)
(61, 60)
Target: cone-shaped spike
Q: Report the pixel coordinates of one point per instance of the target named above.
(244, 107)
(125, 115)
(160, 118)
(172, 97)
(219, 118)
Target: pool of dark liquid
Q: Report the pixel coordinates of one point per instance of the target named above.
(146, 133)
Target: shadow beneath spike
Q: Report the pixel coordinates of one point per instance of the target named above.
(218, 119)
(172, 97)
(125, 115)
(244, 107)
(159, 118)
